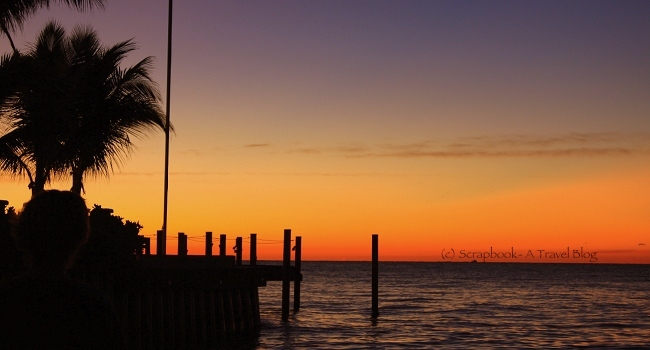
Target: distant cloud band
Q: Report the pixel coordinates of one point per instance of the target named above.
(503, 146)
(592, 152)
(565, 145)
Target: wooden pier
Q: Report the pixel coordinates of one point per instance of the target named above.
(173, 301)
(195, 302)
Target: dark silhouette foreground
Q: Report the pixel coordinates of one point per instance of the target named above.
(43, 308)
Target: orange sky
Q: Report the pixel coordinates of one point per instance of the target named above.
(433, 125)
(417, 215)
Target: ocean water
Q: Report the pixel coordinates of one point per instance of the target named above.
(462, 306)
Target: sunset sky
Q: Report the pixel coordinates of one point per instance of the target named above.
(465, 125)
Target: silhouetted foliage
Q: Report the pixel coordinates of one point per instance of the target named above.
(113, 242)
(14, 13)
(41, 307)
(9, 257)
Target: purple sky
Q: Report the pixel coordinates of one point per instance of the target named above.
(462, 98)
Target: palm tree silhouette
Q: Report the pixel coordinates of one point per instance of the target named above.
(113, 104)
(14, 13)
(71, 110)
(33, 107)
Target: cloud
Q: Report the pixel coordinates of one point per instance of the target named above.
(557, 140)
(499, 146)
(346, 149)
(561, 152)
(137, 173)
(534, 146)
(306, 151)
(191, 152)
(353, 149)
(174, 173)
(199, 173)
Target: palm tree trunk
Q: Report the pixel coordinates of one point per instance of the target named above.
(40, 179)
(77, 181)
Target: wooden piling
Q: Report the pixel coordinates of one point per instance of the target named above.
(238, 315)
(221, 309)
(208, 243)
(375, 275)
(253, 257)
(229, 313)
(149, 305)
(190, 304)
(213, 325)
(160, 319)
(256, 306)
(170, 340)
(182, 244)
(286, 278)
(238, 251)
(147, 246)
(181, 326)
(296, 282)
(222, 245)
(202, 313)
(161, 243)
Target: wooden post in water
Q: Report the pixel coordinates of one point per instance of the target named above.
(286, 277)
(161, 243)
(222, 245)
(182, 244)
(375, 275)
(208, 244)
(296, 282)
(253, 258)
(238, 250)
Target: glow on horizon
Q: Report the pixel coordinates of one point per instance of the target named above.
(464, 125)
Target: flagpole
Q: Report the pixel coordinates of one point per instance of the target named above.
(167, 120)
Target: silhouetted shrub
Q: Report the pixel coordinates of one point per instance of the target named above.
(9, 256)
(113, 243)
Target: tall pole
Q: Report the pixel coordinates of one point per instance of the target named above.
(167, 108)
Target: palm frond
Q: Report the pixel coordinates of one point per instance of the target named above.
(11, 156)
(14, 13)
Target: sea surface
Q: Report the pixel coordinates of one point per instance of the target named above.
(462, 306)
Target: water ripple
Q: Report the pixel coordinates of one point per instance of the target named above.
(460, 306)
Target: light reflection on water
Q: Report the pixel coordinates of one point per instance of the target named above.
(462, 305)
